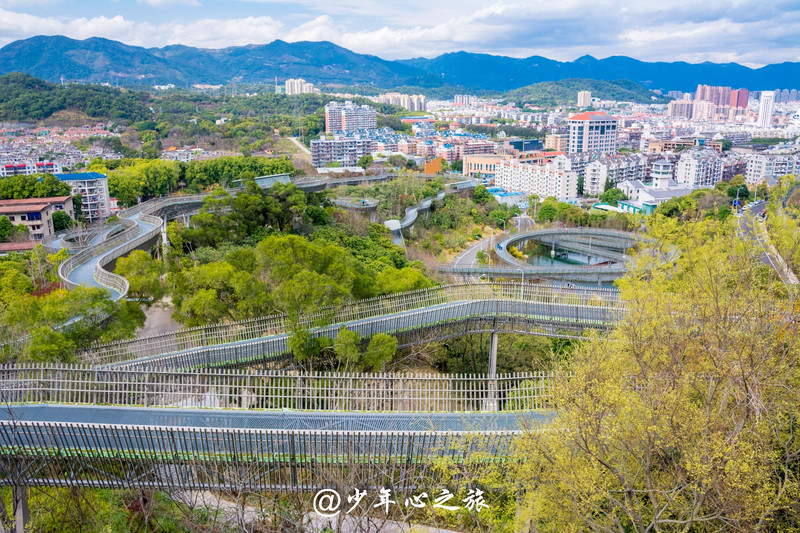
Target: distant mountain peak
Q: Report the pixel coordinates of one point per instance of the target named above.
(99, 60)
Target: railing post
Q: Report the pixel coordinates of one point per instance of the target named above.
(492, 402)
(22, 513)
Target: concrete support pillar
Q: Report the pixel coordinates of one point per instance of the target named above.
(492, 402)
(22, 513)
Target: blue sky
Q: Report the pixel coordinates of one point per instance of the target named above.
(752, 32)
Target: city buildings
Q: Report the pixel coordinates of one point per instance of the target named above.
(739, 98)
(584, 98)
(93, 188)
(544, 180)
(715, 95)
(766, 168)
(556, 142)
(766, 108)
(345, 150)
(412, 102)
(592, 131)
(349, 117)
(36, 213)
(699, 170)
(300, 86)
(29, 167)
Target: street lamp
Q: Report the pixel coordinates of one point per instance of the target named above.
(504, 224)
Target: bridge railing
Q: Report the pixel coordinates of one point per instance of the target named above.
(231, 389)
(276, 324)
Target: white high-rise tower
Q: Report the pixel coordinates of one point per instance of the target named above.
(765, 108)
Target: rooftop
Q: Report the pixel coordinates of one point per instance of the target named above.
(73, 176)
(592, 115)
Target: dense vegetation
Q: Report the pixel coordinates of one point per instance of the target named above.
(685, 416)
(565, 92)
(25, 98)
(34, 311)
(278, 251)
(132, 180)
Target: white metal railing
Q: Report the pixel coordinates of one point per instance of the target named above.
(372, 308)
(231, 389)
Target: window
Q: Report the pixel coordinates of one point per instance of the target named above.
(34, 216)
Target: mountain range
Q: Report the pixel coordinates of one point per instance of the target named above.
(102, 60)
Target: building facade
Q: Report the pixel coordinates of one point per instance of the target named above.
(584, 98)
(766, 167)
(349, 117)
(93, 188)
(346, 151)
(542, 180)
(698, 170)
(36, 214)
(766, 106)
(592, 132)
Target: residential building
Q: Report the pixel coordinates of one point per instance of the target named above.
(29, 167)
(761, 167)
(699, 170)
(592, 131)
(485, 165)
(612, 170)
(36, 213)
(542, 180)
(739, 98)
(645, 199)
(766, 107)
(584, 98)
(681, 108)
(300, 86)
(347, 151)
(715, 95)
(349, 117)
(556, 141)
(412, 102)
(93, 188)
(703, 110)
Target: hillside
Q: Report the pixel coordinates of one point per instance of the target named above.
(505, 73)
(102, 60)
(552, 93)
(26, 98)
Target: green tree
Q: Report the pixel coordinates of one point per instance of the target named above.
(61, 221)
(683, 417)
(365, 161)
(143, 274)
(380, 352)
(612, 196)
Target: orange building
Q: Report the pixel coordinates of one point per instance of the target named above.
(432, 167)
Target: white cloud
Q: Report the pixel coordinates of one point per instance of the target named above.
(747, 31)
(163, 3)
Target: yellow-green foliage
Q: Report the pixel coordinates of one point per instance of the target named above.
(684, 418)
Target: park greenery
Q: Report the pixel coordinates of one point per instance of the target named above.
(44, 323)
(684, 417)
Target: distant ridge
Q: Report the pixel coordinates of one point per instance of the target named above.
(102, 60)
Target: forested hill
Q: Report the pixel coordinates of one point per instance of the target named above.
(552, 93)
(26, 98)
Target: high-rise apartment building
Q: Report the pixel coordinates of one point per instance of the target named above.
(698, 170)
(412, 102)
(681, 108)
(739, 98)
(349, 117)
(93, 188)
(765, 108)
(556, 141)
(300, 86)
(713, 94)
(592, 131)
(543, 180)
(584, 98)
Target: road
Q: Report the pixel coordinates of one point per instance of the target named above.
(300, 145)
